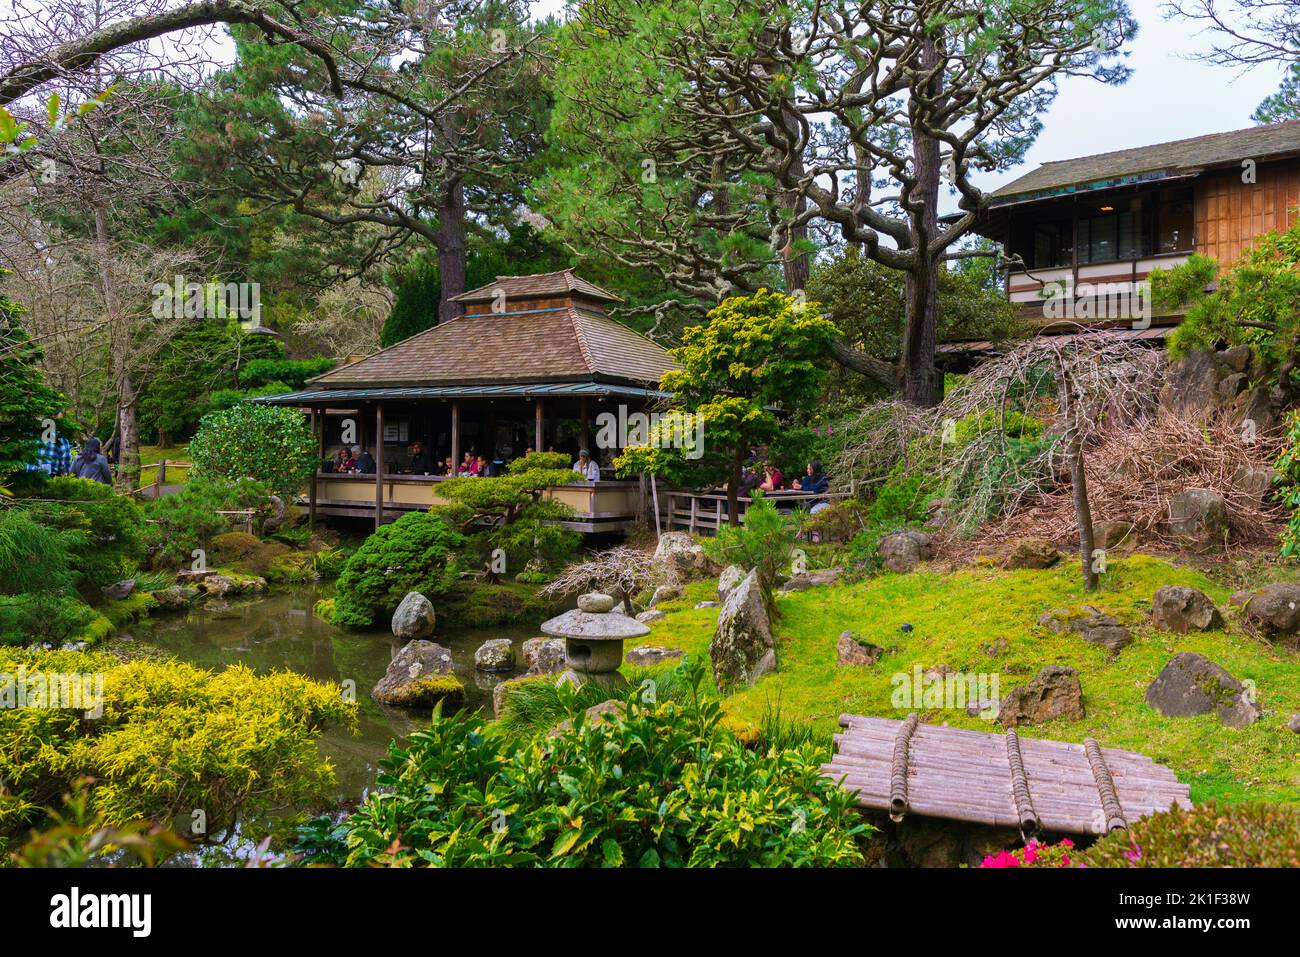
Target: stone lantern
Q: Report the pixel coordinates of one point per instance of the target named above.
(593, 639)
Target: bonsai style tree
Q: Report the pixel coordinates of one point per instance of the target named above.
(754, 353)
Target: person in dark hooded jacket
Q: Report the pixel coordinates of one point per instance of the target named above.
(91, 464)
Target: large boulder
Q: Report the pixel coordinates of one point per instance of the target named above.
(1192, 383)
(743, 648)
(681, 558)
(664, 593)
(502, 691)
(853, 650)
(903, 551)
(1204, 383)
(1273, 612)
(1053, 693)
(1090, 624)
(119, 590)
(495, 655)
(544, 656)
(279, 512)
(176, 598)
(414, 617)
(1182, 609)
(1255, 406)
(1198, 517)
(1030, 553)
(650, 616)
(650, 655)
(221, 586)
(1111, 534)
(1255, 480)
(419, 676)
(731, 576)
(1193, 684)
(824, 576)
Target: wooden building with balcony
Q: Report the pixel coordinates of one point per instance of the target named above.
(1084, 234)
(531, 364)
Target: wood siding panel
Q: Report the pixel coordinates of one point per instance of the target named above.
(1230, 214)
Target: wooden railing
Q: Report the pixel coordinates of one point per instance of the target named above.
(160, 477)
(707, 511)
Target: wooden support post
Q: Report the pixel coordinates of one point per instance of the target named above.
(455, 437)
(654, 497)
(159, 475)
(318, 433)
(379, 463)
(691, 527)
(539, 428)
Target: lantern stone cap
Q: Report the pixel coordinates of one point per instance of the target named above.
(591, 625)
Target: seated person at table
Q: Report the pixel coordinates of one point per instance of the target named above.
(365, 461)
(587, 468)
(815, 481)
(448, 468)
(481, 467)
(344, 462)
(466, 464)
(421, 463)
(772, 479)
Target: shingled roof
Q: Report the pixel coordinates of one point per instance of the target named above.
(1161, 161)
(561, 283)
(563, 344)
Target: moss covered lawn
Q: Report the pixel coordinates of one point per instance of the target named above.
(957, 617)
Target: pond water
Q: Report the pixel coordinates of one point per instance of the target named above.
(279, 632)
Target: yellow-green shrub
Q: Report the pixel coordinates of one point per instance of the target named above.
(171, 739)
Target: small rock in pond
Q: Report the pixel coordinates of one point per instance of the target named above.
(647, 655)
(495, 654)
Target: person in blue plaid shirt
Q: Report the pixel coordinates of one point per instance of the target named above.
(53, 457)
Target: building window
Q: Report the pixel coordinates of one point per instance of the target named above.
(1174, 221)
(1110, 231)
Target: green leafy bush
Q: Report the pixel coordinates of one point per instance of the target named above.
(837, 523)
(864, 556)
(35, 557)
(265, 443)
(765, 541)
(649, 785)
(112, 525)
(290, 373)
(222, 399)
(901, 500)
(536, 538)
(171, 738)
(538, 703)
(1210, 835)
(471, 604)
(42, 618)
(190, 519)
(502, 499)
(25, 399)
(1288, 482)
(418, 552)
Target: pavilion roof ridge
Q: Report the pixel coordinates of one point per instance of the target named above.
(560, 282)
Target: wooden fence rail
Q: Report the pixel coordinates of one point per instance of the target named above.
(707, 511)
